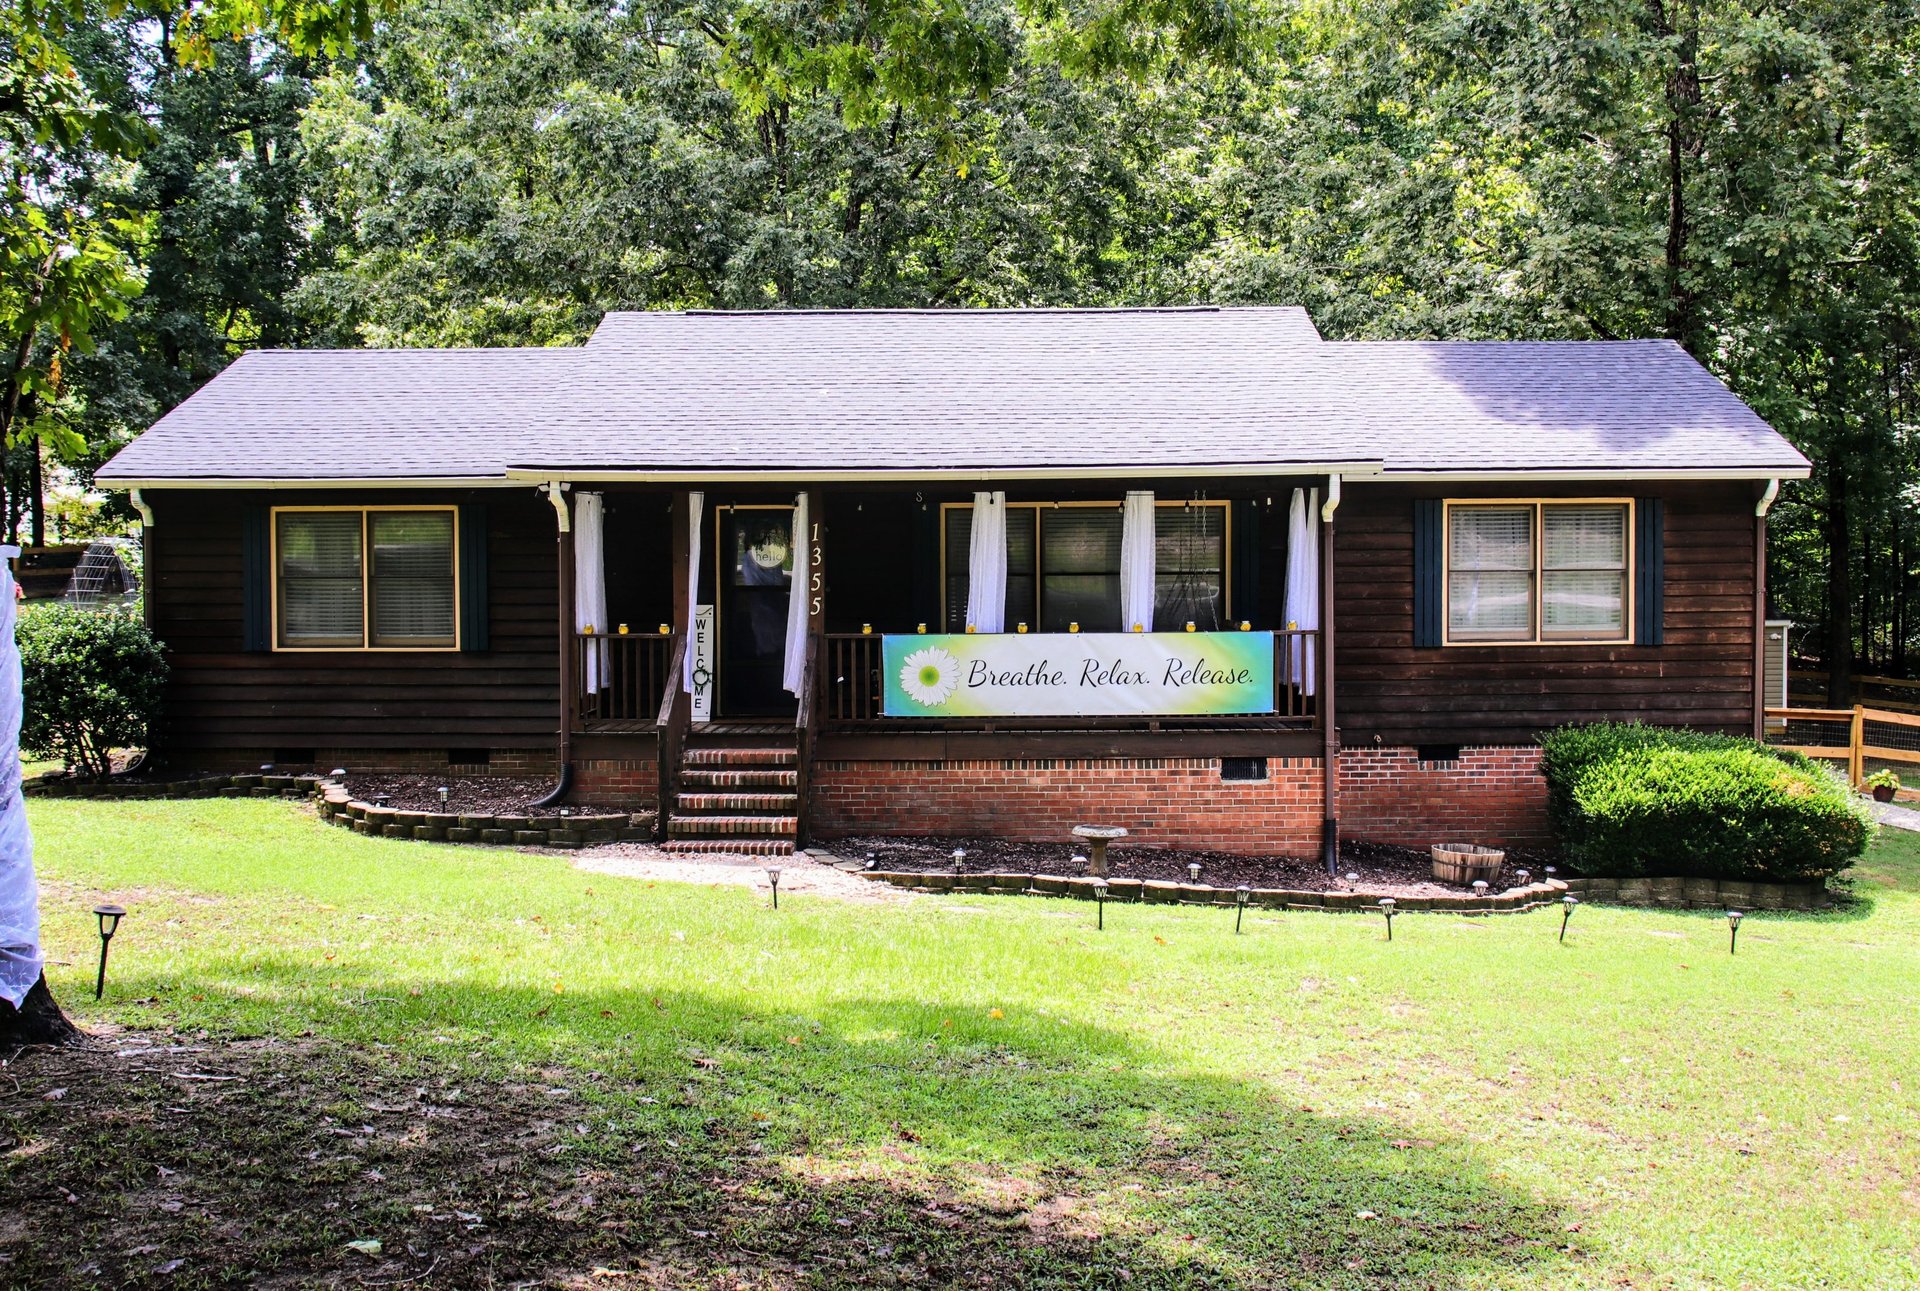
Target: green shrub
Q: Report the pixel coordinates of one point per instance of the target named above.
(1638, 800)
(91, 683)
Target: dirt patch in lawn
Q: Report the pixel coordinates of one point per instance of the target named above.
(1379, 867)
(798, 874)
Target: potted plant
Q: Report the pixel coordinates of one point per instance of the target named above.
(1883, 783)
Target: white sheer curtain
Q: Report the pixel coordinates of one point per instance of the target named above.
(1137, 562)
(987, 564)
(694, 503)
(1303, 585)
(19, 895)
(795, 674)
(590, 580)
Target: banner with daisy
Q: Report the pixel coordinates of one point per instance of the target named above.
(1087, 674)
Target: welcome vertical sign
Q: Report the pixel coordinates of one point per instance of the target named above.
(1084, 674)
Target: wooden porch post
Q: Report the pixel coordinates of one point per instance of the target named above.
(563, 519)
(676, 706)
(1760, 622)
(813, 555)
(1330, 749)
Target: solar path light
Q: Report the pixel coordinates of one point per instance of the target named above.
(1386, 908)
(773, 877)
(1240, 895)
(1525, 876)
(959, 859)
(1733, 931)
(1567, 903)
(109, 917)
(1100, 904)
(1193, 872)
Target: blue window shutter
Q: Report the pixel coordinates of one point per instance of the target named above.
(1429, 565)
(473, 578)
(256, 578)
(1650, 572)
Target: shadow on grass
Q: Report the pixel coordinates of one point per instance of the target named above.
(688, 1140)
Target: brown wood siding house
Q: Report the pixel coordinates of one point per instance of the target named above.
(377, 559)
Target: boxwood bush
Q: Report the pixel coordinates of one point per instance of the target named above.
(1628, 800)
(90, 682)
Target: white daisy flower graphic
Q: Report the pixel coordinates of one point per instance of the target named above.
(929, 676)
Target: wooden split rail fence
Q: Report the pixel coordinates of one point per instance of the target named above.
(1857, 735)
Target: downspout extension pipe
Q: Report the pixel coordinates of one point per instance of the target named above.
(560, 791)
(556, 492)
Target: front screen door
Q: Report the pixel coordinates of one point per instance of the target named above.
(755, 553)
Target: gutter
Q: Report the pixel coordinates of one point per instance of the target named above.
(1765, 504)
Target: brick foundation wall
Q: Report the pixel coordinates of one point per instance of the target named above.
(1491, 795)
(632, 783)
(1162, 802)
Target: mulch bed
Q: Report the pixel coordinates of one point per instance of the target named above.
(1380, 867)
(469, 795)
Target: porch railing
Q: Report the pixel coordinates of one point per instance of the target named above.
(851, 683)
(629, 679)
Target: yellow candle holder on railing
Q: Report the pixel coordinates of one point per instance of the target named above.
(1022, 629)
(866, 629)
(1246, 626)
(666, 629)
(623, 629)
(587, 630)
(1190, 626)
(1073, 627)
(921, 629)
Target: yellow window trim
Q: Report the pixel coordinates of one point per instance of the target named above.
(1629, 572)
(1226, 551)
(366, 580)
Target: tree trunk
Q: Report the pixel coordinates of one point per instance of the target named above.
(38, 1020)
(1684, 146)
(38, 497)
(1839, 535)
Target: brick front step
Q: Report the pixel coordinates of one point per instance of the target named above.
(702, 780)
(730, 846)
(722, 758)
(733, 826)
(780, 804)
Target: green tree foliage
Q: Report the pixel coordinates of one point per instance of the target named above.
(1739, 179)
(91, 683)
(489, 179)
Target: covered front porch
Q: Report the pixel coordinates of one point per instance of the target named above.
(698, 620)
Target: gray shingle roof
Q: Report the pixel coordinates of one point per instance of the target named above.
(1175, 390)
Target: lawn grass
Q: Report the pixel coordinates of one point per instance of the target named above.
(985, 1091)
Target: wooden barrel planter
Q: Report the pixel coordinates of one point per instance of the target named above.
(1463, 863)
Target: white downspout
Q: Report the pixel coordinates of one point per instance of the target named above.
(1765, 504)
(141, 505)
(1332, 503)
(557, 494)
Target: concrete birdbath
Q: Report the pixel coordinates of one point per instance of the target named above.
(1097, 837)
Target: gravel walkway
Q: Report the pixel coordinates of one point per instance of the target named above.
(801, 873)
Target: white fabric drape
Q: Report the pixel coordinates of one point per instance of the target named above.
(795, 674)
(19, 895)
(694, 503)
(1303, 585)
(1137, 562)
(987, 564)
(590, 581)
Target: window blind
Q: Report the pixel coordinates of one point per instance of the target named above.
(1490, 573)
(1020, 565)
(1080, 557)
(412, 578)
(320, 596)
(1584, 580)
